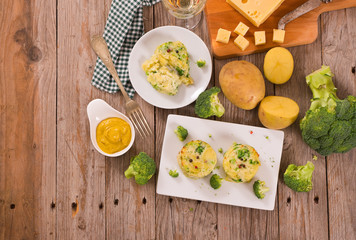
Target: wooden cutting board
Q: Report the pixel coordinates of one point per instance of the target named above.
(303, 30)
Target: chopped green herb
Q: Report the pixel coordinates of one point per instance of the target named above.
(243, 154)
(180, 71)
(199, 149)
(238, 180)
(210, 135)
(173, 173)
(266, 137)
(315, 158)
(253, 162)
(220, 150)
(232, 161)
(191, 209)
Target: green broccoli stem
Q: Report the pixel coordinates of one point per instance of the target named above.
(217, 107)
(307, 170)
(129, 173)
(264, 189)
(323, 89)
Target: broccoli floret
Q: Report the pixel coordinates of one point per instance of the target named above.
(142, 167)
(260, 189)
(299, 178)
(201, 63)
(329, 126)
(173, 173)
(215, 181)
(208, 104)
(181, 132)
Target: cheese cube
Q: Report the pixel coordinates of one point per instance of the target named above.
(241, 29)
(223, 36)
(260, 38)
(256, 11)
(241, 42)
(278, 35)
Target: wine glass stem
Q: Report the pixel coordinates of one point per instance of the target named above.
(191, 23)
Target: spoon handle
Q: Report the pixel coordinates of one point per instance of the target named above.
(101, 49)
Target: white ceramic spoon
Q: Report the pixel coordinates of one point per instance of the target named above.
(98, 110)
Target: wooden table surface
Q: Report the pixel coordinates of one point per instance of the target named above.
(54, 185)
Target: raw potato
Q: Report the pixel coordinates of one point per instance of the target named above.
(242, 83)
(277, 112)
(278, 65)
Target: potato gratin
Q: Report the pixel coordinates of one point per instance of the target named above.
(241, 162)
(168, 68)
(197, 159)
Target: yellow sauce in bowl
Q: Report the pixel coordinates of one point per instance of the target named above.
(113, 135)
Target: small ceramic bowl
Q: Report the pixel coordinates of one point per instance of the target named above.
(98, 110)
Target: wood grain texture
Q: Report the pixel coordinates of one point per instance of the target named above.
(303, 30)
(302, 215)
(178, 218)
(339, 52)
(237, 222)
(27, 116)
(80, 169)
(130, 207)
(54, 185)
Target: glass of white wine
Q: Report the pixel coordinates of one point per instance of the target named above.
(187, 13)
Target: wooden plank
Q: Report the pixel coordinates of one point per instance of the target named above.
(339, 52)
(130, 207)
(178, 218)
(302, 215)
(28, 122)
(80, 169)
(237, 222)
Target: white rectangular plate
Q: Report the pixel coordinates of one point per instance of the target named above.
(268, 143)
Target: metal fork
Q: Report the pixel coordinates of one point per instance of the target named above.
(132, 108)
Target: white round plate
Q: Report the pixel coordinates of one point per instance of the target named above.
(144, 49)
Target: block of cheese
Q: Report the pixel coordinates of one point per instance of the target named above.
(241, 42)
(256, 11)
(223, 35)
(241, 29)
(278, 35)
(260, 37)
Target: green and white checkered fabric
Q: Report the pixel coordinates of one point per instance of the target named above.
(123, 28)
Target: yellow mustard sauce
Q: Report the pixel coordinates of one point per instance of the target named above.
(113, 135)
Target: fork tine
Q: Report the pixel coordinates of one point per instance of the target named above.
(145, 123)
(139, 126)
(135, 125)
(141, 122)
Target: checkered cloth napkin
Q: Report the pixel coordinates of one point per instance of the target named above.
(123, 28)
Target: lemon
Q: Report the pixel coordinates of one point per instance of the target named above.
(278, 65)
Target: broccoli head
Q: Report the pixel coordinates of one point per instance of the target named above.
(201, 63)
(329, 126)
(142, 167)
(208, 104)
(173, 173)
(181, 132)
(299, 178)
(260, 189)
(215, 181)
